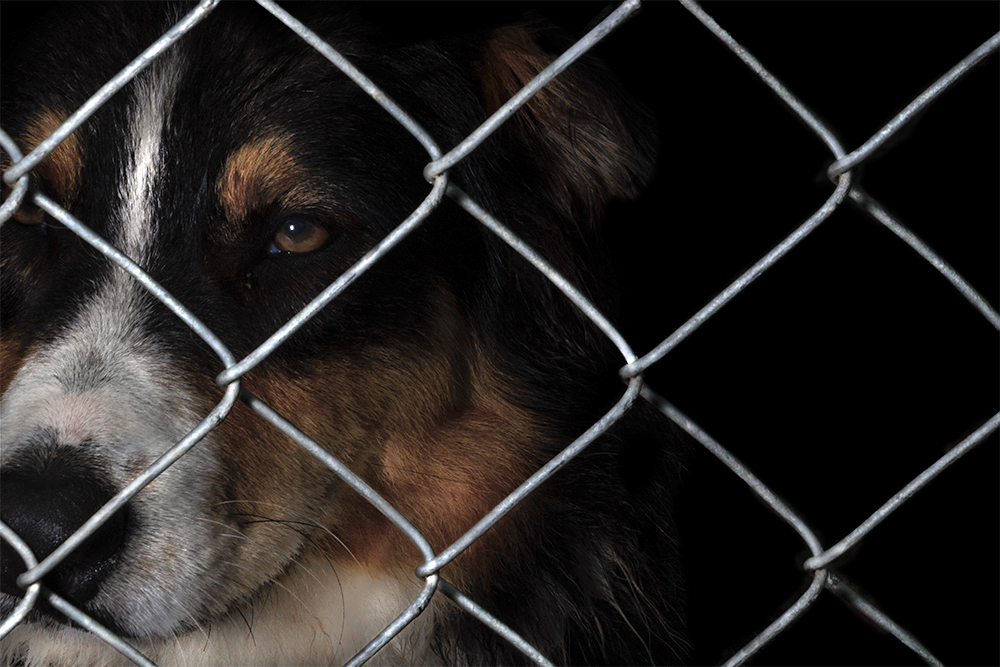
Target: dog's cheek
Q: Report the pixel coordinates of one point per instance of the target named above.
(267, 487)
(353, 409)
(446, 478)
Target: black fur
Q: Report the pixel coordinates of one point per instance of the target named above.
(595, 578)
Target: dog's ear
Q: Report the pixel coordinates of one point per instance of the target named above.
(591, 140)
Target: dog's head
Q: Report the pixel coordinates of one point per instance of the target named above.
(244, 173)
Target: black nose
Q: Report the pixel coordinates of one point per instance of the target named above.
(44, 504)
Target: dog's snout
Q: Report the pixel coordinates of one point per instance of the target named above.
(45, 504)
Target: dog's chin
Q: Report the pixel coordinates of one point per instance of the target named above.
(44, 615)
(48, 638)
(49, 643)
(305, 620)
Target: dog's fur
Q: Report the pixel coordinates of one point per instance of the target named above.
(444, 376)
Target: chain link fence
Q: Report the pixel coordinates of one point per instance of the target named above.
(820, 575)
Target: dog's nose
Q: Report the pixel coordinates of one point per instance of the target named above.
(44, 505)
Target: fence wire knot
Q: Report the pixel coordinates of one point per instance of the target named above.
(820, 567)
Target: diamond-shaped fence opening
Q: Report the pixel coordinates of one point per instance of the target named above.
(787, 304)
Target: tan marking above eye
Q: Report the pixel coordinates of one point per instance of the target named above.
(58, 175)
(268, 172)
(298, 235)
(60, 170)
(257, 174)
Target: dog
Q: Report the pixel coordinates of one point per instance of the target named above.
(245, 173)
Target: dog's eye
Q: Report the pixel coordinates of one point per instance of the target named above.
(28, 213)
(298, 235)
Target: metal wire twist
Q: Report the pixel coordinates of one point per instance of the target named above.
(819, 568)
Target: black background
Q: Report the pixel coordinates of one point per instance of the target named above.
(850, 366)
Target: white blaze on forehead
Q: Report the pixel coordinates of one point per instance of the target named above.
(153, 95)
(105, 386)
(103, 378)
(102, 384)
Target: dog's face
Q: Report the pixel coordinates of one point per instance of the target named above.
(244, 174)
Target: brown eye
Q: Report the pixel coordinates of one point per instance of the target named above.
(298, 235)
(28, 213)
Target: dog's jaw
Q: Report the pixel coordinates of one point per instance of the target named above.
(310, 617)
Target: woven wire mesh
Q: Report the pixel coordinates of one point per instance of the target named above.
(820, 565)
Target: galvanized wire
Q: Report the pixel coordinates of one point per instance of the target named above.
(891, 505)
(772, 82)
(872, 208)
(763, 491)
(108, 90)
(89, 624)
(31, 593)
(841, 174)
(821, 560)
(20, 188)
(546, 269)
(779, 251)
(861, 154)
(494, 624)
(500, 116)
(845, 592)
(725, 296)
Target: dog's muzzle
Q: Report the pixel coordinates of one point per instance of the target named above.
(45, 500)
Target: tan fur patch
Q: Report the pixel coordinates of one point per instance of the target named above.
(448, 477)
(585, 135)
(257, 174)
(511, 59)
(429, 429)
(264, 172)
(442, 466)
(59, 173)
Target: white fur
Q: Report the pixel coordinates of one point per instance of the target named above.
(300, 621)
(154, 96)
